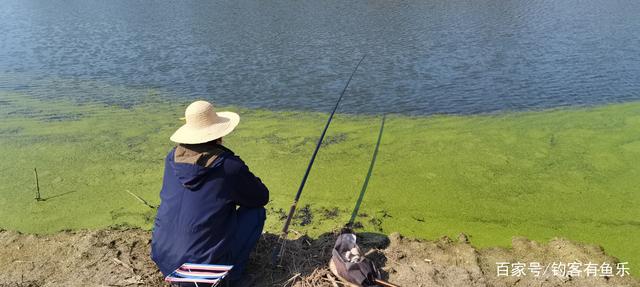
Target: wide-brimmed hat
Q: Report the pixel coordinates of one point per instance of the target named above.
(204, 124)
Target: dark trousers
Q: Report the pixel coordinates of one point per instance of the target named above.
(248, 231)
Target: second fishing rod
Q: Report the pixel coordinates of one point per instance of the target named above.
(279, 249)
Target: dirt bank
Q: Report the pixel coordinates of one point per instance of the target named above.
(120, 258)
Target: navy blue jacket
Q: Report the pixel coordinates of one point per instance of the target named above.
(197, 214)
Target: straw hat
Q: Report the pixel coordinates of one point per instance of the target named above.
(204, 124)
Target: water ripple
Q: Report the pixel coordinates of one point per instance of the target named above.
(425, 57)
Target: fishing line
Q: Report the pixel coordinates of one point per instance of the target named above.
(279, 249)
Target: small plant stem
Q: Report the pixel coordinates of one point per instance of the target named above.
(140, 199)
(38, 198)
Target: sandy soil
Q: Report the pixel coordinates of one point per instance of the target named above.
(120, 258)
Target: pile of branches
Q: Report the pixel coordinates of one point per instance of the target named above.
(303, 264)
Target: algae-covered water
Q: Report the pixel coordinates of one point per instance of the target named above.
(567, 172)
(91, 90)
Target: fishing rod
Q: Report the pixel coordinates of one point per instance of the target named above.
(362, 266)
(279, 249)
(366, 179)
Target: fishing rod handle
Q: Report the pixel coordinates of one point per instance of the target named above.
(292, 210)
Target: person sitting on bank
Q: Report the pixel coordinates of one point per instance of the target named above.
(212, 206)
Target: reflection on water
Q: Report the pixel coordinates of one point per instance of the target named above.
(425, 56)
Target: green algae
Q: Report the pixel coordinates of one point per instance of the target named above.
(566, 172)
